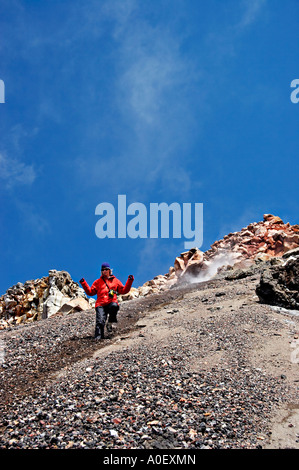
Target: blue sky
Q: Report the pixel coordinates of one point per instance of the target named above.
(161, 101)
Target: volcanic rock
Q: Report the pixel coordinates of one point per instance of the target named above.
(39, 298)
(238, 253)
(239, 250)
(77, 304)
(279, 284)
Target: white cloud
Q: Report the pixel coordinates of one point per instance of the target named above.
(153, 76)
(14, 171)
(152, 71)
(121, 11)
(153, 93)
(224, 40)
(153, 90)
(252, 9)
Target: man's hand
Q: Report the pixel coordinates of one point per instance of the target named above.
(82, 280)
(131, 277)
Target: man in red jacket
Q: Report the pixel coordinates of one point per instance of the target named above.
(106, 288)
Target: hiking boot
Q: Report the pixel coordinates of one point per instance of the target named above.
(109, 327)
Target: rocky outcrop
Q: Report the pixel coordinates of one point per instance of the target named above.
(259, 241)
(279, 284)
(236, 252)
(40, 298)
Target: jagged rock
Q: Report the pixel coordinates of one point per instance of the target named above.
(195, 263)
(39, 298)
(145, 290)
(279, 284)
(294, 252)
(21, 319)
(273, 219)
(133, 294)
(257, 242)
(237, 253)
(179, 265)
(75, 305)
(54, 302)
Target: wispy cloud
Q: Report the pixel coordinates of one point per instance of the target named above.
(150, 90)
(154, 89)
(153, 86)
(152, 75)
(14, 171)
(224, 41)
(121, 11)
(252, 9)
(160, 94)
(155, 78)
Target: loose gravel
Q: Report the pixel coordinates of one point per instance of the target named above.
(186, 369)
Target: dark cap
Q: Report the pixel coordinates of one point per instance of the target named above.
(105, 265)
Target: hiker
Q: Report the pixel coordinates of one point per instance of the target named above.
(106, 288)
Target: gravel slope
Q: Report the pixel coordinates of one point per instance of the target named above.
(205, 366)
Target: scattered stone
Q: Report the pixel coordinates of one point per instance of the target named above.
(62, 390)
(193, 380)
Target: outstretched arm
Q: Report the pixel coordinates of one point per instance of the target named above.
(89, 290)
(124, 289)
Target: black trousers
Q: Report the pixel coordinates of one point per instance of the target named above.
(110, 311)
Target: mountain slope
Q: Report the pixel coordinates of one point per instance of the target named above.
(200, 366)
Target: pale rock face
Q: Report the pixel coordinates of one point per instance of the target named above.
(75, 305)
(53, 303)
(39, 298)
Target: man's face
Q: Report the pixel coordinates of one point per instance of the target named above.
(105, 272)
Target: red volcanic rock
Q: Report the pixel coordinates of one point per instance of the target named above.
(260, 240)
(273, 219)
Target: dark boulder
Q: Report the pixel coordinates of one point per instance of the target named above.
(279, 284)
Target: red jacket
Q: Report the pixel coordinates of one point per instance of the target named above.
(100, 288)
